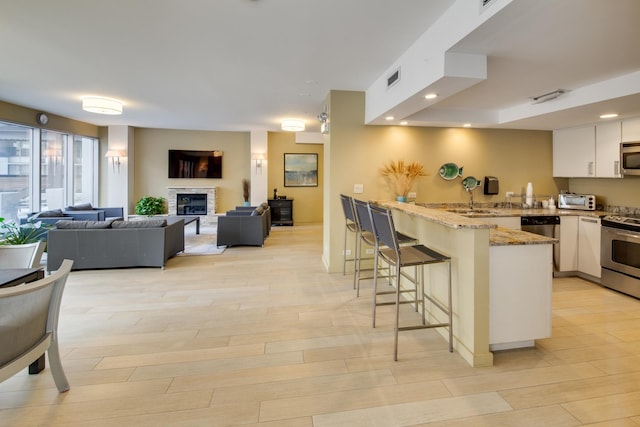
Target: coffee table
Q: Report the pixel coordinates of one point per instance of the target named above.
(187, 220)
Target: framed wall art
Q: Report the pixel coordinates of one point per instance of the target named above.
(300, 169)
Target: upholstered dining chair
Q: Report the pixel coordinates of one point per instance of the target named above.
(29, 325)
(21, 256)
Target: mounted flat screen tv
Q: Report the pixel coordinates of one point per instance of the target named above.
(195, 164)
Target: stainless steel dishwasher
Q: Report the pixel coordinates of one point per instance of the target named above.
(544, 225)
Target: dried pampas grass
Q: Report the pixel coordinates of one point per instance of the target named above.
(402, 175)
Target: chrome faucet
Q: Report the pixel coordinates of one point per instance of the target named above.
(470, 198)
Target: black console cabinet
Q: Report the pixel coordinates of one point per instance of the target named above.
(281, 211)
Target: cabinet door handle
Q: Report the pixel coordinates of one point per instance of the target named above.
(590, 168)
(616, 168)
(595, 221)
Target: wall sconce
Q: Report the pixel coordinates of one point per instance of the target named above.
(115, 155)
(258, 158)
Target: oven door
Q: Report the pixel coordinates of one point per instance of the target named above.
(620, 260)
(620, 251)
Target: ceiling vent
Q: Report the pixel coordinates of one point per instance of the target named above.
(548, 96)
(393, 78)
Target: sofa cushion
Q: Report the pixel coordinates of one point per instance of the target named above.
(54, 213)
(74, 225)
(147, 223)
(80, 207)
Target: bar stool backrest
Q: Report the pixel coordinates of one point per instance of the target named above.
(383, 227)
(347, 207)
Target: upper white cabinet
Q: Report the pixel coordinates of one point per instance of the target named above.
(631, 130)
(588, 151)
(574, 152)
(608, 137)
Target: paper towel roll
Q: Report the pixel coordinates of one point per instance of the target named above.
(529, 196)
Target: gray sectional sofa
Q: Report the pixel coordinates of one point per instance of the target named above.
(114, 244)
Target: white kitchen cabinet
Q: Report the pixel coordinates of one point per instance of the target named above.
(631, 130)
(574, 152)
(568, 244)
(608, 138)
(589, 246)
(587, 151)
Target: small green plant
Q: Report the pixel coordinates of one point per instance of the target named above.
(12, 233)
(150, 205)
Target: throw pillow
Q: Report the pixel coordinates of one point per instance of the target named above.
(149, 223)
(257, 211)
(81, 207)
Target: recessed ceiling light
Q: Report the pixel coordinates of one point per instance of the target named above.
(431, 96)
(389, 118)
(466, 125)
(404, 123)
(609, 116)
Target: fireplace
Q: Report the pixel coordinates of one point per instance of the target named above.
(210, 205)
(191, 204)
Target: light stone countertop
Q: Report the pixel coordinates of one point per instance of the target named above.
(498, 236)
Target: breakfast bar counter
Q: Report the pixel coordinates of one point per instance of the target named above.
(501, 279)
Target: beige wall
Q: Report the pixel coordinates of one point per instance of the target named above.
(307, 203)
(27, 116)
(610, 191)
(355, 152)
(151, 162)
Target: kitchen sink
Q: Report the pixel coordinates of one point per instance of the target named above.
(472, 212)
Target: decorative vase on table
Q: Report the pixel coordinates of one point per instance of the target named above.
(246, 203)
(401, 199)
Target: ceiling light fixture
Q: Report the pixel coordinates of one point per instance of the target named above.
(389, 118)
(100, 105)
(466, 125)
(404, 123)
(548, 96)
(609, 116)
(293, 125)
(431, 96)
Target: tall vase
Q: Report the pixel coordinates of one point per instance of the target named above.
(247, 204)
(401, 199)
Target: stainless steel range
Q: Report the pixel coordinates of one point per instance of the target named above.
(620, 253)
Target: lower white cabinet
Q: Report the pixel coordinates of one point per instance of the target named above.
(589, 245)
(568, 243)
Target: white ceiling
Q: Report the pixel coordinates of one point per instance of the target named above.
(243, 65)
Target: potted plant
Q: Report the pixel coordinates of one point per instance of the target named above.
(246, 191)
(402, 176)
(12, 233)
(149, 205)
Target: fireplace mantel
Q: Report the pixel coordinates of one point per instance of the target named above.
(211, 200)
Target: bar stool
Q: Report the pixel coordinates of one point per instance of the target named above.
(350, 226)
(416, 256)
(365, 232)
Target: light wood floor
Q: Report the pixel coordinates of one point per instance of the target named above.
(264, 337)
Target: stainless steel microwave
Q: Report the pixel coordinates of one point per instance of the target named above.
(585, 202)
(630, 158)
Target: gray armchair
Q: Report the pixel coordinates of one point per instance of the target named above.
(242, 228)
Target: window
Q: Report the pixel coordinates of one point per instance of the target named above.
(16, 144)
(43, 169)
